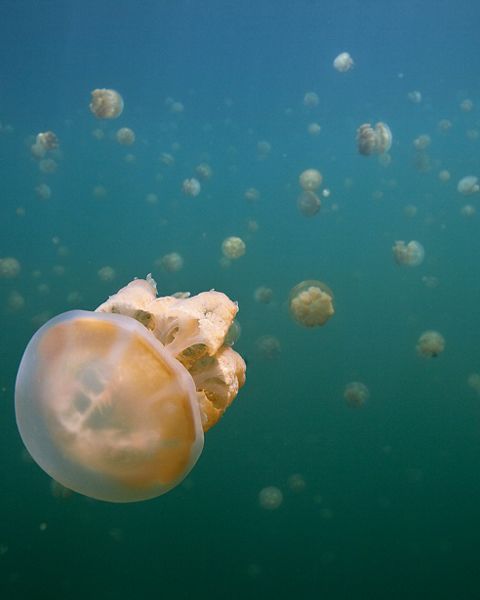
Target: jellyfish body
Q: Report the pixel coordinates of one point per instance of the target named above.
(105, 409)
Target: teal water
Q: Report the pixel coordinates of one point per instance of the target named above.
(388, 500)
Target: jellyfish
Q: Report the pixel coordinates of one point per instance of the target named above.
(171, 262)
(356, 394)
(114, 404)
(125, 136)
(270, 497)
(311, 303)
(430, 344)
(191, 187)
(9, 267)
(308, 203)
(233, 247)
(374, 140)
(411, 254)
(311, 100)
(468, 185)
(106, 104)
(310, 180)
(343, 62)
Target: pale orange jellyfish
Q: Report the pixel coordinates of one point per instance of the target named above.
(113, 403)
(311, 303)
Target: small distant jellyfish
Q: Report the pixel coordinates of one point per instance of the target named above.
(343, 62)
(410, 211)
(125, 136)
(172, 262)
(99, 192)
(106, 273)
(468, 210)
(191, 187)
(47, 140)
(415, 96)
(268, 346)
(468, 185)
(314, 129)
(310, 100)
(444, 125)
(311, 303)
(264, 149)
(356, 394)
(43, 191)
(151, 198)
(106, 104)
(204, 171)
(374, 140)
(177, 107)
(308, 204)
(9, 267)
(233, 247)
(473, 134)
(270, 497)
(167, 159)
(466, 105)
(48, 166)
(252, 194)
(474, 382)
(296, 483)
(411, 254)
(310, 180)
(422, 141)
(15, 301)
(98, 134)
(430, 344)
(263, 294)
(444, 175)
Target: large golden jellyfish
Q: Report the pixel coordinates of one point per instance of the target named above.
(311, 303)
(106, 104)
(113, 404)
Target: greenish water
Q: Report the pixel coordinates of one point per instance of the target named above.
(380, 501)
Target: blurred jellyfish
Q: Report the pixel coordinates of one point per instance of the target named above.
(100, 191)
(343, 62)
(47, 141)
(98, 134)
(177, 107)
(233, 247)
(430, 281)
(268, 346)
(106, 104)
(106, 273)
(422, 141)
(310, 100)
(468, 185)
(167, 159)
(310, 180)
(263, 294)
(314, 129)
(415, 96)
(252, 225)
(473, 134)
(430, 344)
(311, 303)
(468, 210)
(308, 203)
(191, 187)
(48, 166)
(374, 140)
(356, 394)
(15, 301)
(410, 211)
(151, 198)
(263, 149)
(171, 262)
(296, 483)
(411, 254)
(270, 497)
(125, 136)
(444, 125)
(444, 175)
(474, 382)
(43, 191)
(466, 105)
(9, 267)
(252, 194)
(204, 171)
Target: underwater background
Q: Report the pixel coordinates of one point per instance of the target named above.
(377, 501)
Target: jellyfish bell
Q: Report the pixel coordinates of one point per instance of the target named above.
(411, 254)
(106, 104)
(105, 410)
(468, 185)
(374, 140)
(430, 344)
(310, 180)
(343, 62)
(311, 303)
(113, 403)
(308, 203)
(356, 394)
